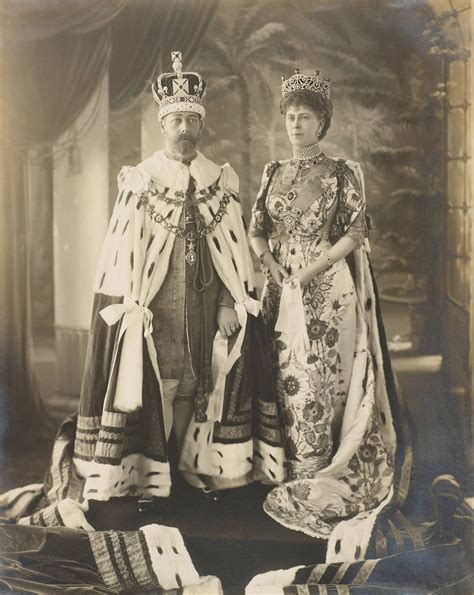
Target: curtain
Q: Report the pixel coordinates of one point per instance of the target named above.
(31, 20)
(58, 77)
(54, 55)
(144, 35)
(47, 81)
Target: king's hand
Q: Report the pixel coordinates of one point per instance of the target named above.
(227, 321)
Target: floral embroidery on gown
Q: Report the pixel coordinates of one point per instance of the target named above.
(324, 395)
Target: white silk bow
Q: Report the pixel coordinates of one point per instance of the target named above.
(136, 320)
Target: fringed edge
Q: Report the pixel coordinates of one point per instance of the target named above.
(153, 558)
(48, 517)
(66, 513)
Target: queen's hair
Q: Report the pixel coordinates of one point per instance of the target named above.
(316, 102)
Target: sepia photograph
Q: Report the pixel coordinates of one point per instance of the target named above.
(236, 297)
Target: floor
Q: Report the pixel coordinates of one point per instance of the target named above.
(214, 530)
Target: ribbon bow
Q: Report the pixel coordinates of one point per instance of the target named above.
(132, 313)
(128, 392)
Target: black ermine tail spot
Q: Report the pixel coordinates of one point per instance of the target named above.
(141, 233)
(196, 461)
(221, 471)
(259, 455)
(357, 553)
(150, 241)
(125, 227)
(273, 458)
(216, 242)
(160, 550)
(116, 258)
(211, 211)
(131, 259)
(235, 265)
(196, 434)
(337, 547)
(150, 269)
(179, 581)
(102, 281)
(115, 226)
(129, 196)
(120, 196)
(233, 236)
(175, 550)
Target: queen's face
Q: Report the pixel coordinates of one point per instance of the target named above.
(302, 125)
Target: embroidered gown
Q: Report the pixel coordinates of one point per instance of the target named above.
(304, 206)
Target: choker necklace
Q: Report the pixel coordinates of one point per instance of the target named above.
(307, 153)
(304, 158)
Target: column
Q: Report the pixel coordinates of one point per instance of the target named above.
(81, 214)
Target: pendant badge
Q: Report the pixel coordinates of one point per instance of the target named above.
(190, 257)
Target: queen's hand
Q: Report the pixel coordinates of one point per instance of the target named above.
(277, 271)
(304, 276)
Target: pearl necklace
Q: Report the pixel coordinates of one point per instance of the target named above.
(305, 157)
(306, 153)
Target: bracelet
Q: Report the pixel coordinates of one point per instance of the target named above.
(328, 260)
(260, 258)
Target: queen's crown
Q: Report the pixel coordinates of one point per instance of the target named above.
(311, 82)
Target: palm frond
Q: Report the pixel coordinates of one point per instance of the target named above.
(390, 156)
(270, 38)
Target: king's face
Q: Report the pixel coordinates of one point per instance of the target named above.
(182, 131)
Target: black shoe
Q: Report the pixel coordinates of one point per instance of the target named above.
(210, 494)
(146, 503)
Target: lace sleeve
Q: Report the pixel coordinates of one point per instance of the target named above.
(351, 216)
(358, 229)
(261, 224)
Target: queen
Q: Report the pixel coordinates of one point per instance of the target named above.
(308, 225)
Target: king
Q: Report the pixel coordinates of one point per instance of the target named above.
(170, 373)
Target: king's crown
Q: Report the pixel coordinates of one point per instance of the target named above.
(179, 91)
(312, 82)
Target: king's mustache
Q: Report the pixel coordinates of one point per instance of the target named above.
(189, 137)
